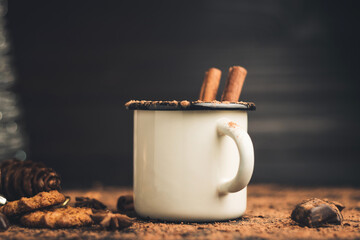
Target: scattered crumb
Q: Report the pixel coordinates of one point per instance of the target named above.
(172, 103)
(185, 103)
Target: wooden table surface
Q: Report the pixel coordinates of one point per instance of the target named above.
(267, 217)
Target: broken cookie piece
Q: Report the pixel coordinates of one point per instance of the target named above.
(58, 218)
(39, 201)
(315, 212)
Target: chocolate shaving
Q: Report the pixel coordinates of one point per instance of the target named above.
(89, 203)
(125, 205)
(316, 212)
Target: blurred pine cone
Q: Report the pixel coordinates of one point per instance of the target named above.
(26, 178)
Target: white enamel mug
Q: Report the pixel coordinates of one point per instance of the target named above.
(191, 165)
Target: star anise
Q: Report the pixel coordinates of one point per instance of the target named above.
(111, 221)
(89, 203)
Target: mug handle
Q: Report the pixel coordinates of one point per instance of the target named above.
(246, 154)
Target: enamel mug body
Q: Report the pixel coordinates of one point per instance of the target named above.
(191, 165)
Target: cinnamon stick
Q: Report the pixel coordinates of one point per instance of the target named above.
(234, 84)
(210, 85)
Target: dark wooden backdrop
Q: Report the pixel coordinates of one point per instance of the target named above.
(78, 62)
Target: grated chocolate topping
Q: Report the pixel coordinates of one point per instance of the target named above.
(189, 105)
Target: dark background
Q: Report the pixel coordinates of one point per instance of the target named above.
(78, 62)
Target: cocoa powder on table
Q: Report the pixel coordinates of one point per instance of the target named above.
(267, 217)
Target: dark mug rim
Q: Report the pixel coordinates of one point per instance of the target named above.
(189, 105)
